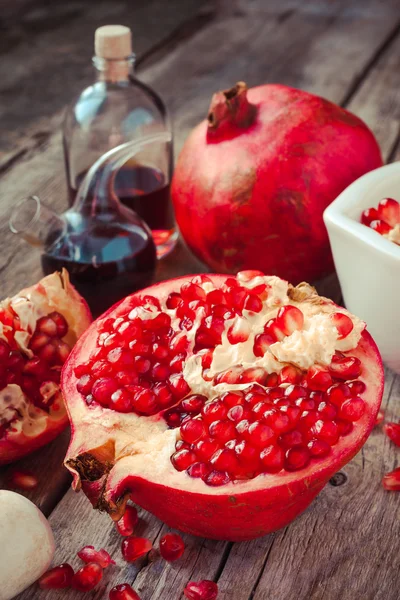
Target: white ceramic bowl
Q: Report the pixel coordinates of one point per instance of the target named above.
(367, 264)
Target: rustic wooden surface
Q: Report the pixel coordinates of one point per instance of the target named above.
(347, 544)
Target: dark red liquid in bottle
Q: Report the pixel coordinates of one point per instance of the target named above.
(106, 262)
(145, 190)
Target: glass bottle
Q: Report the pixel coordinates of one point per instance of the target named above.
(107, 249)
(119, 108)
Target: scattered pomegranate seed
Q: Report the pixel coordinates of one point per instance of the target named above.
(23, 480)
(391, 481)
(392, 430)
(134, 547)
(57, 578)
(87, 577)
(89, 555)
(201, 590)
(172, 546)
(123, 591)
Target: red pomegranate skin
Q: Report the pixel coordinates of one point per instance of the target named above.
(239, 516)
(250, 188)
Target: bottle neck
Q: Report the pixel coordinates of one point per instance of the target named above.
(113, 70)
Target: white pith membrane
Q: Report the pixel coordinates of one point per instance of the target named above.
(142, 446)
(54, 293)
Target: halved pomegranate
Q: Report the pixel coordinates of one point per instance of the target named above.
(38, 328)
(223, 405)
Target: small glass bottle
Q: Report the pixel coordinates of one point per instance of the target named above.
(118, 108)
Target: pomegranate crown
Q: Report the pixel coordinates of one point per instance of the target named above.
(231, 106)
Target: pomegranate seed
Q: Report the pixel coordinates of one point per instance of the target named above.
(338, 393)
(101, 368)
(254, 374)
(291, 439)
(200, 279)
(249, 275)
(38, 341)
(237, 297)
(61, 323)
(348, 367)
(272, 459)
(236, 413)
(379, 417)
(260, 434)
(231, 399)
(392, 430)
(391, 481)
(253, 303)
(231, 376)
(352, 409)
(58, 578)
(297, 458)
(380, 227)
(193, 404)
(172, 418)
(205, 448)
(344, 427)
(280, 422)
(343, 324)
(160, 372)
(248, 455)
(23, 480)
(145, 402)
(121, 401)
(274, 332)
(87, 577)
(123, 591)
(225, 460)
(289, 319)
(47, 325)
(318, 378)
(89, 555)
(328, 431)
(389, 211)
(134, 547)
(178, 386)
(172, 546)
(369, 215)
(357, 387)
(216, 297)
(262, 342)
(192, 430)
(103, 389)
(290, 374)
(131, 330)
(173, 300)
(84, 385)
(201, 590)
(198, 470)
(239, 332)
(327, 411)
(192, 291)
(127, 523)
(214, 410)
(217, 478)
(183, 459)
(318, 448)
(308, 419)
(223, 431)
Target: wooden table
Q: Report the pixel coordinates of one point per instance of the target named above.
(347, 544)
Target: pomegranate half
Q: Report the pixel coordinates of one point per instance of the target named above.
(38, 327)
(222, 405)
(258, 174)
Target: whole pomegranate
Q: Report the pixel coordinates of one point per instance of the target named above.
(252, 182)
(38, 328)
(223, 405)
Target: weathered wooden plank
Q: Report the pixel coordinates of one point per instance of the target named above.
(52, 61)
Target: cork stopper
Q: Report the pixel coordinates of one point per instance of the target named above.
(113, 42)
